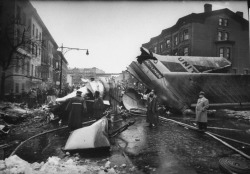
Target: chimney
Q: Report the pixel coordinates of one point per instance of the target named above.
(207, 8)
(239, 13)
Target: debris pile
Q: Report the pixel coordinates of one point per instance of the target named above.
(238, 114)
(14, 114)
(55, 165)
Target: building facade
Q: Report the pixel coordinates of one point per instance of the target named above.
(219, 33)
(78, 74)
(60, 63)
(31, 62)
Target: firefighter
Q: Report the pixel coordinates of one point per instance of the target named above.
(77, 108)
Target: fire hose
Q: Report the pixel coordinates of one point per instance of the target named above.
(37, 135)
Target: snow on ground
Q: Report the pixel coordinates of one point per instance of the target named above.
(54, 165)
(238, 114)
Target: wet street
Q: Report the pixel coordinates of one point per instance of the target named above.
(169, 148)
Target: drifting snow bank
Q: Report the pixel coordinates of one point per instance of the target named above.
(54, 165)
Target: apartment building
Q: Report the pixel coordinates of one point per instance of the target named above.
(210, 34)
(31, 62)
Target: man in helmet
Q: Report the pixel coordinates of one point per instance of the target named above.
(77, 108)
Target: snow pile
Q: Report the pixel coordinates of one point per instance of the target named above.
(54, 165)
(238, 114)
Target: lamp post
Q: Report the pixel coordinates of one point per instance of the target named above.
(63, 53)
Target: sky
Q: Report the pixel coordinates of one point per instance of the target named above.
(114, 31)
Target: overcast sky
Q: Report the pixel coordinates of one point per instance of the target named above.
(114, 31)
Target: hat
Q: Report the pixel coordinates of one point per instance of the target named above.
(202, 93)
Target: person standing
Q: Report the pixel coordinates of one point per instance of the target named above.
(201, 111)
(152, 109)
(77, 108)
(98, 105)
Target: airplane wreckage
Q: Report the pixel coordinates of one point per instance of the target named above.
(178, 80)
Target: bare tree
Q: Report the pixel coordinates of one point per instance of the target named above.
(17, 49)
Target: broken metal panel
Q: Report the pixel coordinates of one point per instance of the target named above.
(177, 80)
(90, 87)
(131, 99)
(190, 64)
(93, 136)
(134, 74)
(219, 88)
(149, 73)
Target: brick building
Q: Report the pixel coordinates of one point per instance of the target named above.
(28, 43)
(60, 62)
(210, 34)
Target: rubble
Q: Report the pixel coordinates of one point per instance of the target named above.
(54, 165)
(245, 115)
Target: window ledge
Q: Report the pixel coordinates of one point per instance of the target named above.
(224, 41)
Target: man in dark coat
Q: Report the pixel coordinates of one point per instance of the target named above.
(77, 107)
(152, 109)
(98, 106)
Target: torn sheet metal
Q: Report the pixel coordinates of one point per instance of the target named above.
(191, 64)
(93, 136)
(90, 87)
(131, 99)
(178, 88)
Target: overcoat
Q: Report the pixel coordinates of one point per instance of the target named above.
(77, 108)
(98, 107)
(201, 109)
(152, 110)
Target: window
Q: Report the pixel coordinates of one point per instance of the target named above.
(226, 36)
(57, 65)
(155, 49)
(36, 33)
(220, 21)
(32, 70)
(23, 66)
(219, 36)
(227, 53)
(225, 22)
(161, 48)
(17, 88)
(175, 40)
(181, 37)
(33, 30)
(39, 51)
(186, 35)
(40, 36)
(28, 68)
(168, 44)
(17, 65)
(246, 71)
(221, 52)
(36, 50)
(186, 51)
(33, 48)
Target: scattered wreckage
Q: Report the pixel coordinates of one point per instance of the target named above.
(177, 80)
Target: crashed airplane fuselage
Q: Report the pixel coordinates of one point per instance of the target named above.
(178, 80)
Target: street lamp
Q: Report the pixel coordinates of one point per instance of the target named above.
(63, 53)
